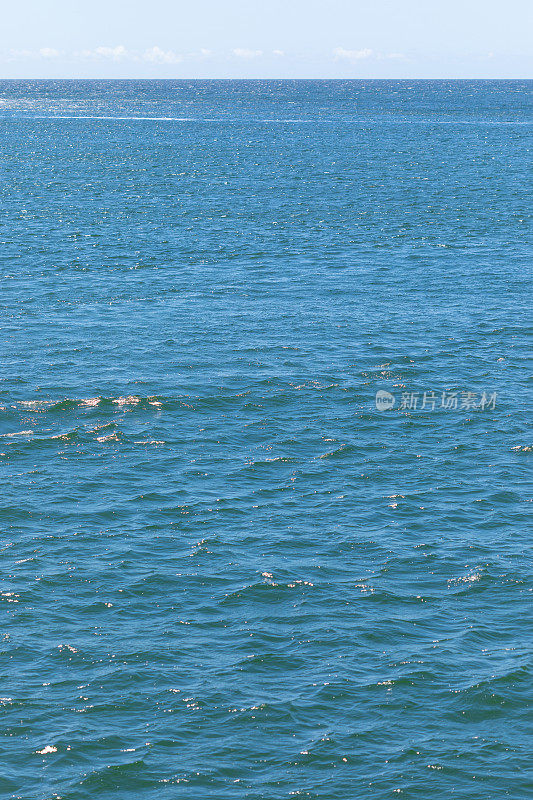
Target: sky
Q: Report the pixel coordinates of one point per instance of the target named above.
(268, 39)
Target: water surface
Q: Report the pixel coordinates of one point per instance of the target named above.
(225, 573)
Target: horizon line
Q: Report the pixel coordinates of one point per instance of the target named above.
(354, 78)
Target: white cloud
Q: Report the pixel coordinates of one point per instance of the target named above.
(49, 52)
(242, 52)
(153, 55)
(158, 56)
(44, 52)
(118, 53)
(352, 55)
(13, 55)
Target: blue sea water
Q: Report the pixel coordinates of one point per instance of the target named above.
(225, 572)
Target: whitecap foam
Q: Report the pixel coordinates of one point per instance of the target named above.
(111, 437)
(131, 400)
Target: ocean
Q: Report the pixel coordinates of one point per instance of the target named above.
(265, 457)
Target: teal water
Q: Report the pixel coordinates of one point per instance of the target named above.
(225, 572)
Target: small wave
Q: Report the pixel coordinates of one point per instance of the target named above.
(131, 400)
(48, 749)
(267, 462)
(69, 403)
(10, 597)
(338, 452)
(133, 119)
(110, 437)
(266, 590)
(471, 577)
(68, 647)
(35, 404)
